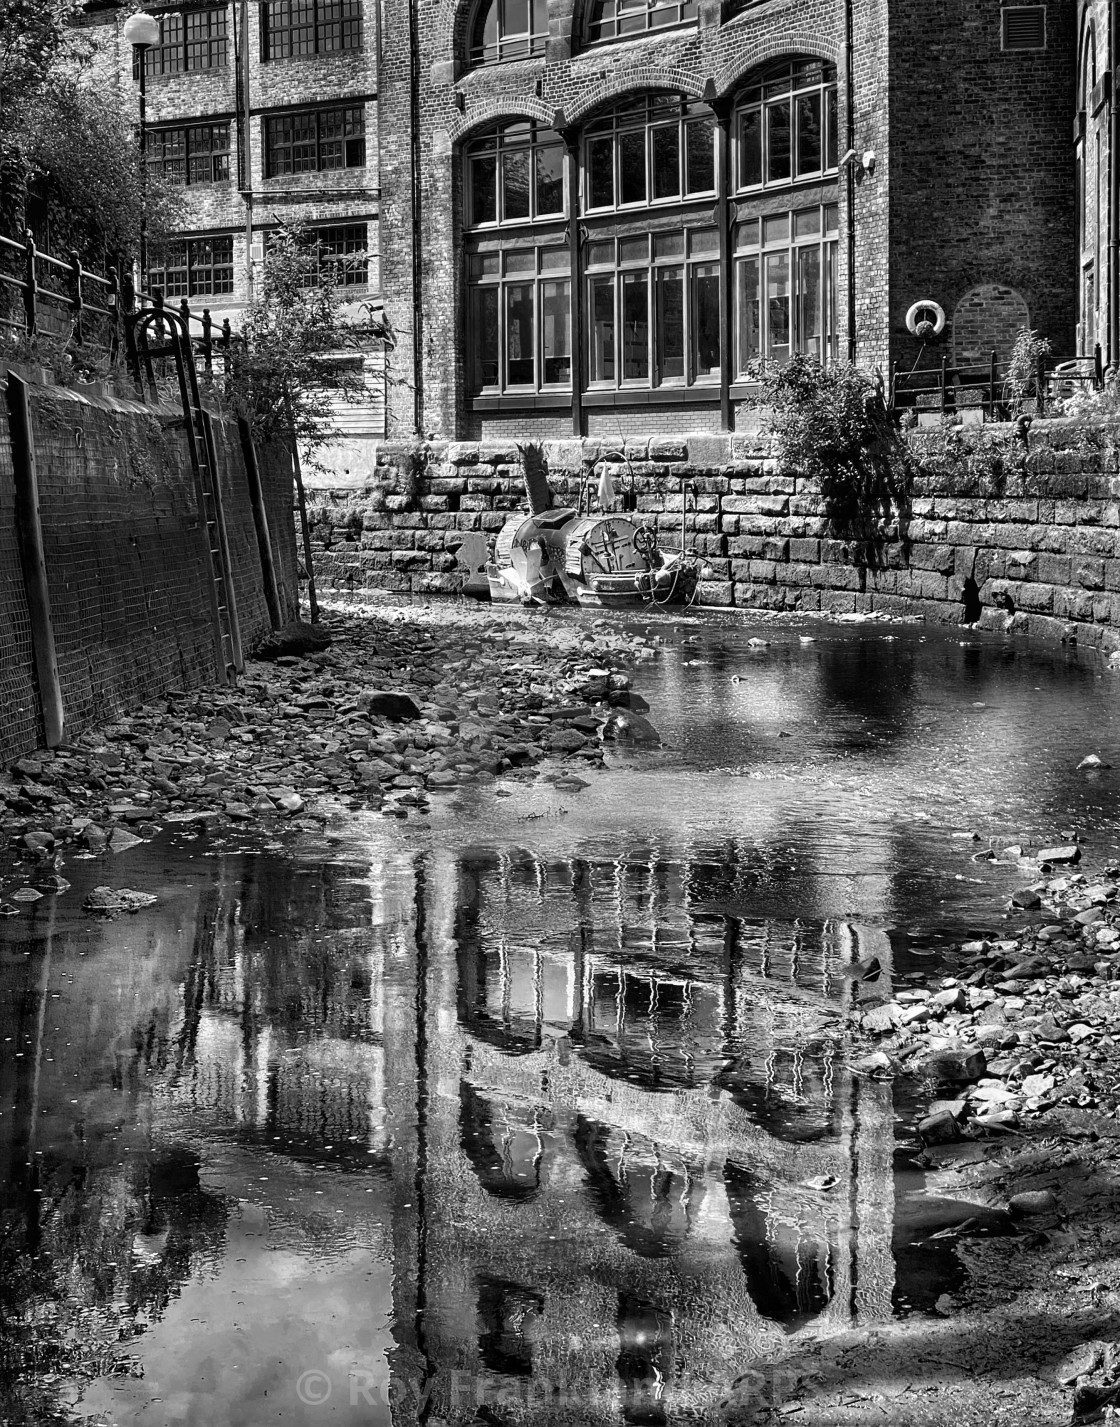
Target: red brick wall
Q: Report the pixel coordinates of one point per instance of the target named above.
(125, 558)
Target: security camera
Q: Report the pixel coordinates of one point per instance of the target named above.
(848, 157)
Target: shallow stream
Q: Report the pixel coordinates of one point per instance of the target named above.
(538, 1104)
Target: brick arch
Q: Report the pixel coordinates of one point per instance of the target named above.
(789, 44)
(986, 319)
(491, 110)
(635, 79)
(451, 30)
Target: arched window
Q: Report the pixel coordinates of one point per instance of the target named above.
(518, 262)
(785, 137)
(508, 29)
(652, 298)
(618, 19)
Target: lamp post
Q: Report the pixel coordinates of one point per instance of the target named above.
(141, 31)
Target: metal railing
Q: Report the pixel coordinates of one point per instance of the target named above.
(90, 312)
(953, 388)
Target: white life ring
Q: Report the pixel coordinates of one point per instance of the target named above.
(934, 309)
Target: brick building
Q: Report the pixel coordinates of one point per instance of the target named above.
(266, 113)
(597, 214)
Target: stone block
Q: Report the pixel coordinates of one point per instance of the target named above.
(668, 448)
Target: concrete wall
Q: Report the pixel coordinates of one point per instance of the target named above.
(1014, 537)
(126, 560)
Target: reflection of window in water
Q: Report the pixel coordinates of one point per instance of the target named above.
(789, 1272)
(505, 1143)
(648, 1198)
(509, 1317)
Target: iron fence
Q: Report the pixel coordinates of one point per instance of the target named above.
(953, 388)
(89, 313)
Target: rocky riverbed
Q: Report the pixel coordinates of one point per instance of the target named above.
(401, 704)
(1011, 1065)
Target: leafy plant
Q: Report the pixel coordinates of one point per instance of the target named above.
(833, 427)
(298, 352)
(1022, 371)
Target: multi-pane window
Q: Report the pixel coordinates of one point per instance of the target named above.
(785, 286)
(655, 150)
(786, 126)
(315, 140)
(192, 267)
(616, 19)
(508, 29)
(198, 153)
(308, 27)
(657, 309)
(342, 254)
(519, 304)
(515, 175)
(653, 309)
(195, 39)
(519, 311)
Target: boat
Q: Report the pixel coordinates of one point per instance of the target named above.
(556, 554)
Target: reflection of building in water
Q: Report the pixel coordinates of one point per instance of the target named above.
(637, 1159)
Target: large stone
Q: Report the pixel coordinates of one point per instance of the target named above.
(397, 708)
(1067, 854)
(955, 1063)
(940, 1128)
(293, 639)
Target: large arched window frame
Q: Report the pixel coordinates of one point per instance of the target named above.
(508, 29)
(785, 141)
(690, 251)
(519, 263)
(651, 298)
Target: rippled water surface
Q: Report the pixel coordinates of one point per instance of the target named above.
(540, 1102)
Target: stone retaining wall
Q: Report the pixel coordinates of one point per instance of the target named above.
(1014, 535)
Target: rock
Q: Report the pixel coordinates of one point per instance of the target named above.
(26, 894)
(108, 901)
(1033, 1201)
(1026, 898)
(443, 780)
(290, 801)
(954, 1063)
(1065, 855)
(939, 1128)
(93, 837)
(1081, 1362)
(38, 841)
(397, 708)
(1091, 760)
(880, 1020)
(954, 998)
(1035, 1086)
(567, 740)
(1029, 970)
(120, 840)
(30, 768)
(293, 639)
(630, 728)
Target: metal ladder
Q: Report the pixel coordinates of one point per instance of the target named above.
(203, 453)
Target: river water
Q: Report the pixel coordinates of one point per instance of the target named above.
(539, 1104)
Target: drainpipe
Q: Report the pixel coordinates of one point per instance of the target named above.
(850, 177)
(244, 142)
(1113, 196)
(417, 194)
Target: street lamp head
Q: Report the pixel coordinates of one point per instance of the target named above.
(141, 29)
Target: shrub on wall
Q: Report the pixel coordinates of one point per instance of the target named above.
(833, 427)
